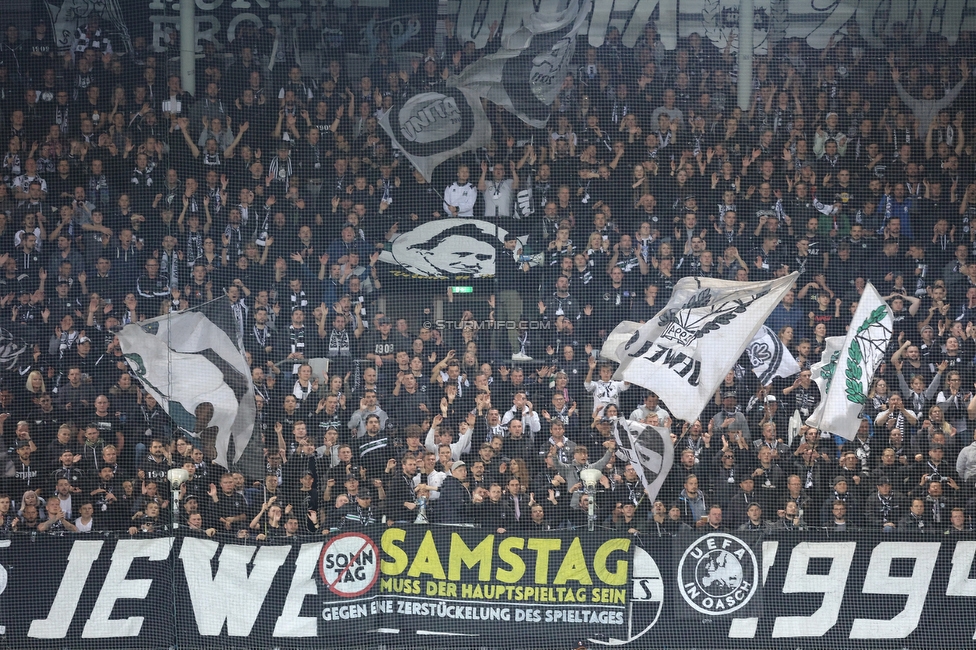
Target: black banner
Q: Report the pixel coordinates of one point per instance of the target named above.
(421, 587)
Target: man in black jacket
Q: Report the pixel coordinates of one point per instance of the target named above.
(400, 499)
(454, 504)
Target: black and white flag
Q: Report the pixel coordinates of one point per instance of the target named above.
(68, 15)
(12, 349)
(705, 319)
(769, 357)
(447, 249)
(649, 449)
(193, 364)
(528, 70)
(431, 127)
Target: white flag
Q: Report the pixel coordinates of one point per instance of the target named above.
(528, 70)
(822, 372)
(846, 382)
(189, 359)
(649, 449)
(685, 351)
(431, 127)
(769, 357)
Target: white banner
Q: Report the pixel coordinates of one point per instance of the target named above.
(684, 352)
(185, 360)
(860, 355)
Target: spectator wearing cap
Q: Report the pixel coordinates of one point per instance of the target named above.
(306, 500)
(356, 513)
(102, 491)
(738, 504)
(933, 467)
(348, 485)
(454, 504)
(26, 471)
(938, 504)
(729, 423)
(883, 508)
(754, 518)
(840, 492)
(432, 76)
(381, 344)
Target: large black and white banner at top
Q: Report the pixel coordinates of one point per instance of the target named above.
(217, 20)
(470, 588)
(812, 20)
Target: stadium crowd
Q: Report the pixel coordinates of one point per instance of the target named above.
(123, 198)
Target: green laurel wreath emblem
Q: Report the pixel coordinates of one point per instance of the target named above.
(855, 358)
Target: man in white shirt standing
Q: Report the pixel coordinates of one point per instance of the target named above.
(460, 196)
(498, 191)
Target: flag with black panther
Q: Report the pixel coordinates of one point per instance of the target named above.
(769, 357)
(193, 364)
(527, 72)
(649, 449)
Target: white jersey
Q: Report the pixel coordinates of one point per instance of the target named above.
(463, 196)
(605, 392)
